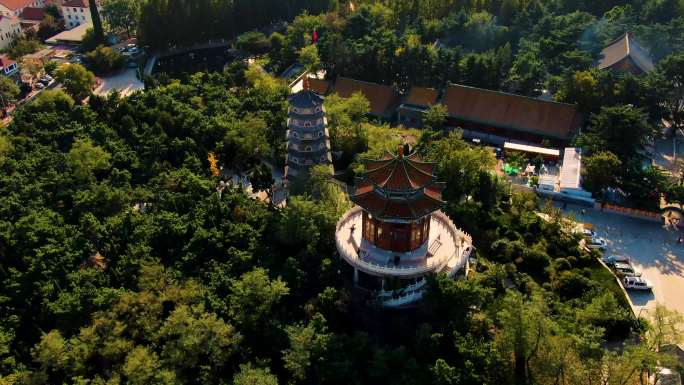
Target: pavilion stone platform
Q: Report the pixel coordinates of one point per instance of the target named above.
(447, 249)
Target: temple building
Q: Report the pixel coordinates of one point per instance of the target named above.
(625, 55)
(308, 140)
(396, 235)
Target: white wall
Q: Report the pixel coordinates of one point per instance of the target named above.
(9, 31)
(75, 16)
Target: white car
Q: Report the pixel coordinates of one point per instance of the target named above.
(588, 233)
(636, 283)
(626, 270)
(597, 243)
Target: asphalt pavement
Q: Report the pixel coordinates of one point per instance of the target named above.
(653, 249)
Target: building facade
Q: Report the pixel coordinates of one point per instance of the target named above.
(397, 235)
(10, 29)
(308, 139)
(76, 12)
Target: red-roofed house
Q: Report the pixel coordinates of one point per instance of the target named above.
(16, 7)
(32, 15)
(10, 29)
(7, 65)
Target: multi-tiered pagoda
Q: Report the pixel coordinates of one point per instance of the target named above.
(397, 234)
(308, 142)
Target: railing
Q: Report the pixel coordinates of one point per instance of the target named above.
(314, 125)
(436, 264)
(404, 300)
(403, 291)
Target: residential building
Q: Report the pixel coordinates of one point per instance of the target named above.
(396, 235)
(496, 117)
(16, 7)
(383, 100)
(308, 139)
(76, 12)
(7, 65)
(10, 29)
(625, 55)
(31, 17)
(415, 104)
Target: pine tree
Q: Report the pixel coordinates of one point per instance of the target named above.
(97, 22)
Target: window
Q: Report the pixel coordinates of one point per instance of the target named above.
(320, 133)
(83, 17)
(307, 124)
(74, 9)
(295, 134)
(307, 149)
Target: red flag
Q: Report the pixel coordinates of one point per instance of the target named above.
(315, 36)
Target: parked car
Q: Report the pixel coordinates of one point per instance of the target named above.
(610, 260)
(597, 243)
(626, 270)
(636, 283)
(588, 233)
(39, 86)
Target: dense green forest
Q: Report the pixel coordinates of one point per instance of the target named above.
(527, 47)
(123, 262)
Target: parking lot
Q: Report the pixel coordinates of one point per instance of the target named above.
(653, 250)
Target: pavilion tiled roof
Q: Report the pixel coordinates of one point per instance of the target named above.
(319, 86)
(398, 187)
(382, 99)
(516, 112)
(625, 48)
(306, 99)
(421, 96)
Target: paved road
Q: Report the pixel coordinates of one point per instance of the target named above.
(653, 249)
(125, 81)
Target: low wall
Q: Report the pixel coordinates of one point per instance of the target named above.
(632, 213)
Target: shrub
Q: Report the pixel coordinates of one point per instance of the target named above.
(571, 284)
(104, 60)
(253, 42)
